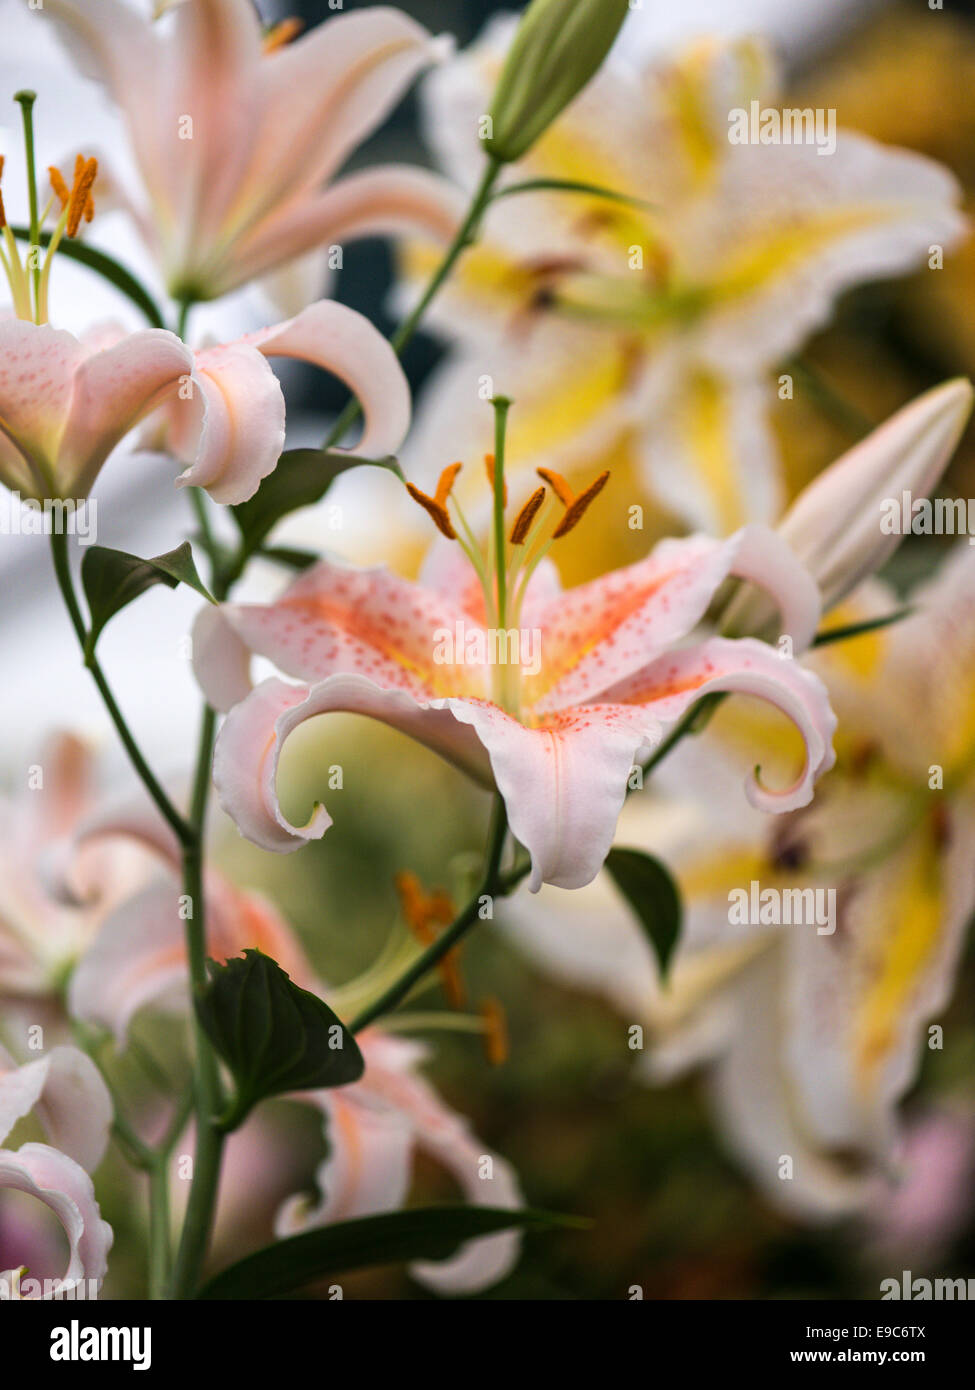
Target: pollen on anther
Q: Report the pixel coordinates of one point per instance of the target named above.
(580, 506)
(524, 519)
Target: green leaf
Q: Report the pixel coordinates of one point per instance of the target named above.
(423, 1233)
(649, 888)
(302, 477)
(272, 1035)
(844, 634)
(113, 578)
(595, 190)
(289, 555)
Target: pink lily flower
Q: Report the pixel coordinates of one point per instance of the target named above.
(581, 686)
(237, 133)
(66, 404)
(375, 1127)
(72, 1102)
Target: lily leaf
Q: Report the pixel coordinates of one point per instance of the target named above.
(649, 888)
(302, 477)
(112, 579)
(423, 1233)
(273, 1036)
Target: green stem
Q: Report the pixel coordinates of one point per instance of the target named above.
(464, 238)
(493, 885)
(198, 1222)
(26, 100)
(159, 1251)
(105, 266)
(62, 571)
(501, 407)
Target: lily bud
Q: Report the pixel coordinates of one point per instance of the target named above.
(558, 47)
(835, 524)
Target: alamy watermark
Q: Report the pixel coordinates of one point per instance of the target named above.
(493, 646)
(756, 906)
(790, 126)
(55, 516)
(908, 515)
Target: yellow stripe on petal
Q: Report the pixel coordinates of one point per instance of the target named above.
(904, 941)
(707, 425)
(769, 258)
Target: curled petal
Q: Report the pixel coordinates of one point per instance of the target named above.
(249, 746)
(64, 1186)
(113, 390)
(670, 685)
(344, 342)
(231, 430)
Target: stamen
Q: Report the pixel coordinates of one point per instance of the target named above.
(422, 912)
(436, 511)
(580, 506)
(495, 1032)
(280, 34)
(558, 485)
(3, 215)
(436, 506)
(446, 482)
(84, 176)
(523, 522)
(61, 189)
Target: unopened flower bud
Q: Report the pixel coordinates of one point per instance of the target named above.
(558, 47)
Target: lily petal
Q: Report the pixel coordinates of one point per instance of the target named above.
(670, 685)
(337, 619)
(249, 746)
(64, 1186)
(344, 342)
(387, 200)
(230, 432)
(70, 1097)
(564, 783)
(597, 634)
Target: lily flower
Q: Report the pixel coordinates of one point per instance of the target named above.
(138, 960)
(72, 1102)
(550, 697)
(65, 404)
(809, 1039)
(42, 935)
(237, 133)
(653, 333)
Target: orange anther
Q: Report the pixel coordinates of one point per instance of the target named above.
(579, 507)
(526, 516)
(85, 172)
(558, 485)
(280, 34)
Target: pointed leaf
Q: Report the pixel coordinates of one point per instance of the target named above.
(649, 888)
(273, 1036)
(424, 1233)
(112, 579)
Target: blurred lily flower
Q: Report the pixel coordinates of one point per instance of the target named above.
(138, 960)
(42, 935)
(72, 1102)
(810, 1040)
(650, 333)
(549, 696)
(236, 134)
(373, 1129)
